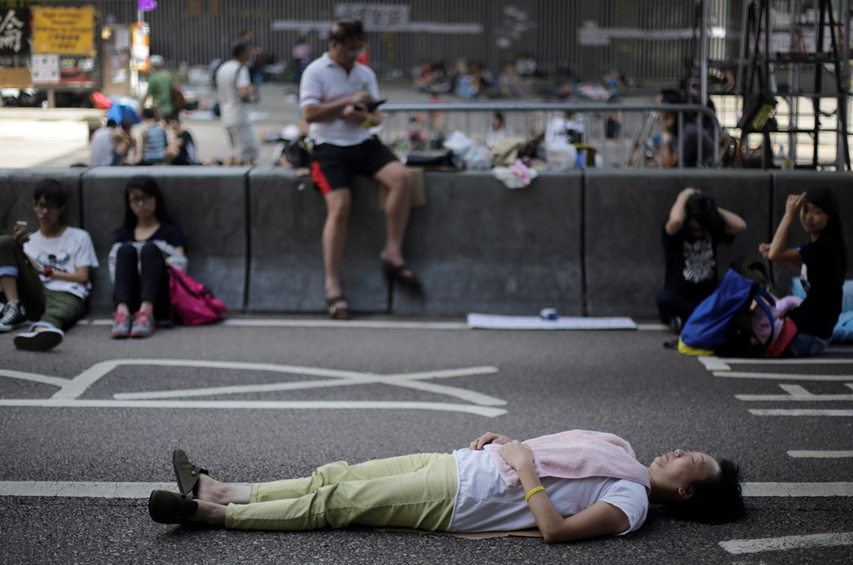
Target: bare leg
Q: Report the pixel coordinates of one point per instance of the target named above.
(10, 288)
(396, 177)
(211, 490)
(338, 205)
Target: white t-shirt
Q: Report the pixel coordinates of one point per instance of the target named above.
(326, 81)
(230, 78)
(101, 147)
(485, 503)
(65, 253)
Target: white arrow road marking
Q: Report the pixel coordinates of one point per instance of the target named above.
(797, 489)
(800, 412)
(254, 405)
(796, 393)
(35, 377)
(782, 376)
(821, 454)
(788, 542)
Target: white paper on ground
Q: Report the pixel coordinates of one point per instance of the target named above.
(492, 322)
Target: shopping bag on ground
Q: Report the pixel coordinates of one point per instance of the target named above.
(192, 301)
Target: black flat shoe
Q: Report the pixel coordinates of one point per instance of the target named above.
(186, 473)
(398, 273)
(167, 507)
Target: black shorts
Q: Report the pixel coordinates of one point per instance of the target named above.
(333, 166)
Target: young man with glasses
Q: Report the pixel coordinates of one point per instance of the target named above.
(45, 273)
(336, 96)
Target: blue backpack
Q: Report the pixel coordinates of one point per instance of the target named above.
(707, 330)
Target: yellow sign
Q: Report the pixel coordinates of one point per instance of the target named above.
(65, 31)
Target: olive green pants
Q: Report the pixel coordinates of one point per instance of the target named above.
(46, 307)
(413, 491)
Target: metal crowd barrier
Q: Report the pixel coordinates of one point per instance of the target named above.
(411, 128)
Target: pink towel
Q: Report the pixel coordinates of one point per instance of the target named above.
(577, 454)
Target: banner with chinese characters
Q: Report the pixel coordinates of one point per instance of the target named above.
(14, 31)
(66, 31)
(376, 17)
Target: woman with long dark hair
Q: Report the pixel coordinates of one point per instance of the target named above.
(143, 245)
(821, 263)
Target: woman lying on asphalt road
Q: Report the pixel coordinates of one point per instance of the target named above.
(577, 484)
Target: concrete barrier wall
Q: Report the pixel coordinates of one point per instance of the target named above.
(286, 268)
(481, 247)
(624, 216)
(208, 204)
(584, 243)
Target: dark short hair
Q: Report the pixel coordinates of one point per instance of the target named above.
(149, 113)
(54, 193)
(715, 500)
(126, 123)
(239, 48)
(111, 123)
(703, 208)
(346, 29)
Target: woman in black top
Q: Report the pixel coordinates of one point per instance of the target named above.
(822, 264)
(143, 246)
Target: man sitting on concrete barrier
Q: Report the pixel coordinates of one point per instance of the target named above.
(336, 94)
(45, 274)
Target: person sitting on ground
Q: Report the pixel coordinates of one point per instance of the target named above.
(154, 141)
(335, 95)
(822, 264)
(123, 143)
(143, 245)
(101, 146)
(181, 149)
(160, 85)
(497, 130)
(583, 484)
(45, 274)
(690, 236)
(510, 83)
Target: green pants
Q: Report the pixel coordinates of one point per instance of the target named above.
(44, 306)
(413, 491)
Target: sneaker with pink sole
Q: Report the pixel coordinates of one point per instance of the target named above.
(142, 325)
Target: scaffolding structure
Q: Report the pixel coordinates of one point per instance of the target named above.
(808, 41)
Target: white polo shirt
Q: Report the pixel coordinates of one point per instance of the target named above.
(326, 81)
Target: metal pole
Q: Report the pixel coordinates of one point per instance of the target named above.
(703, 51)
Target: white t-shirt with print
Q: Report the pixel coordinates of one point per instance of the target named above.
(326, 81)
(484, 503)
(65, 253)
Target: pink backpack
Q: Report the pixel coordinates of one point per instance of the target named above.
(191, 300)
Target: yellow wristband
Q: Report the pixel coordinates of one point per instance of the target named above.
(367, 123)
(532, 492)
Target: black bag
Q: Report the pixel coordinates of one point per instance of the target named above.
(297, 152)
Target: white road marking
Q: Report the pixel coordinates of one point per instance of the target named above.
(349, 324)
(254, 405)
(797, 489)
(724, 364)
(142, 490)
(782, 376)
(800, 412)
(405, 380)
(787, 543)
(35, 377)
(653, 328)
(821, 454)
(796, 393)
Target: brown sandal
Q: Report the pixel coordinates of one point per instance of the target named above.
(338, 312)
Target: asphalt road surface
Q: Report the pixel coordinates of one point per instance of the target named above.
(88, 430)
